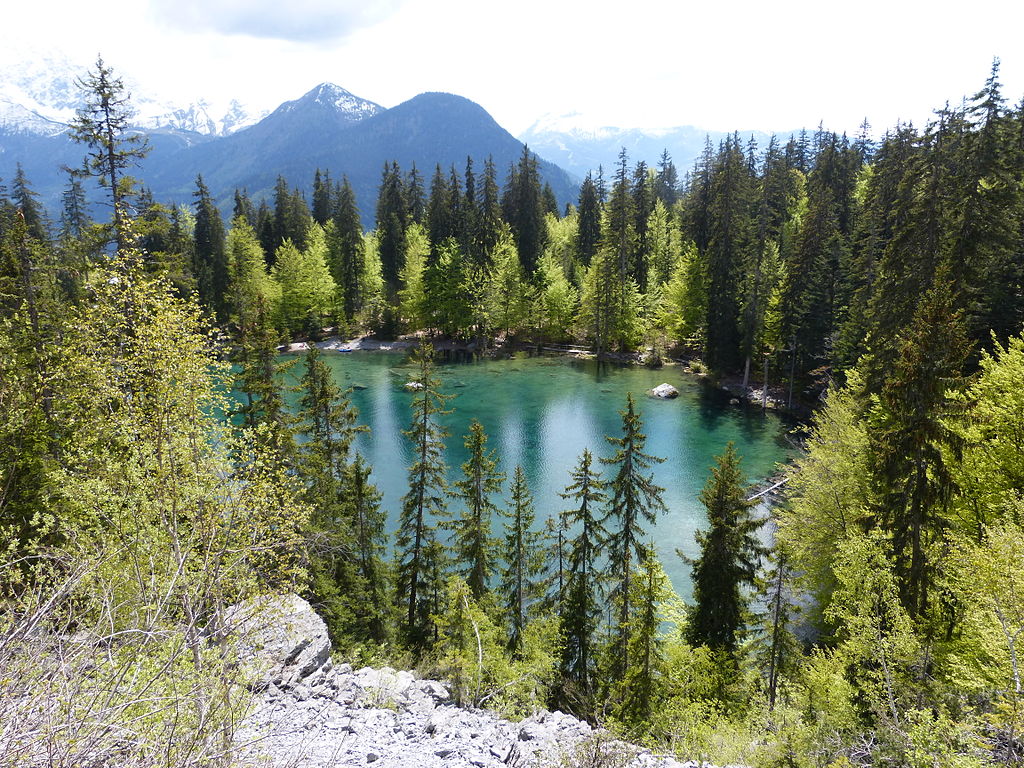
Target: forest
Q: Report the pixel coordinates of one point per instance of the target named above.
(151, 473)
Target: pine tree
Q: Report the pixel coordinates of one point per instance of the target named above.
(524, 210)
(634, 499)
(728, 560)
(521, 586)
(364, 513)
(328, 422)
(666, 182)
(729, 237)
(418, 552)
(323, 204)
(581, 605)
(472, 547)
(259, 381)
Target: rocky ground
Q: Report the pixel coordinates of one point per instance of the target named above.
(311, 713)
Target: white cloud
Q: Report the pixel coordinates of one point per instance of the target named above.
(295, 20)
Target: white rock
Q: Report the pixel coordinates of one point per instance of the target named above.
(665, 391)
(278, 639)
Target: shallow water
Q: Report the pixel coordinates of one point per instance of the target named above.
(542, 412)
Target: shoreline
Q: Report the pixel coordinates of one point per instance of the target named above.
(751, 397)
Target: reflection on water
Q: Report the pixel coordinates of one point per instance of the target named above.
(542, 412)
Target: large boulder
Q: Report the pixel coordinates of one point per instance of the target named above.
(279, 640)
(665, 391)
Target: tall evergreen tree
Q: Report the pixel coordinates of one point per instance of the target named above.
(588, 235)
(634, 499)
(524, 210)
(418, 551)
(728, 560)
(581, 605)
(348, 251)
(521, 586)
(392, 220)
(210, 264)
(103, 125)
(473, 549)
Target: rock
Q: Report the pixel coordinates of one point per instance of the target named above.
(734, 401)
(413, 386)
(435, 690)
(530, 732)
(279, 640)
(372, 757)
(664, 391)
(436, 722)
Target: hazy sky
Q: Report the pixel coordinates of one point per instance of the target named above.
(717, 65)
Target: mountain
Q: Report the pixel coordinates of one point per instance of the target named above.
(567, 141)
(45, 89)
(327, 128)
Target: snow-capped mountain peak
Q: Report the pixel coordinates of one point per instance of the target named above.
(38, 93)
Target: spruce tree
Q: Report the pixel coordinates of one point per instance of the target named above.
(472, 547)
(521, 586)
(348, 251)
(634, 499)
(588, 235)
(729, 555)
(582, 602)
(210, 263)
(418, 551)
(392, 221)
(103, 125)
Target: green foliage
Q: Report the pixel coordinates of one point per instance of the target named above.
(472, 653)
(307, 289)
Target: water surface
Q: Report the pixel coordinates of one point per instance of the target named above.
(542, 412)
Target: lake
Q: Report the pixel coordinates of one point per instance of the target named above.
(542, 412)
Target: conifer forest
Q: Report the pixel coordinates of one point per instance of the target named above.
(153, 471)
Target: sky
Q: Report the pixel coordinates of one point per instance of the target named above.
(737, 65)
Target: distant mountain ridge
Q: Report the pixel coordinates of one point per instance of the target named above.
(327, 128)
(568, 142)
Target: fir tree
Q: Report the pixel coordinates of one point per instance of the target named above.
(348, 261)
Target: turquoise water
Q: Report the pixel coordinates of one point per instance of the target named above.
(542, 412)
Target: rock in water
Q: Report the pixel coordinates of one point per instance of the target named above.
(413, 386)
(279, 640)
(664, 391)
